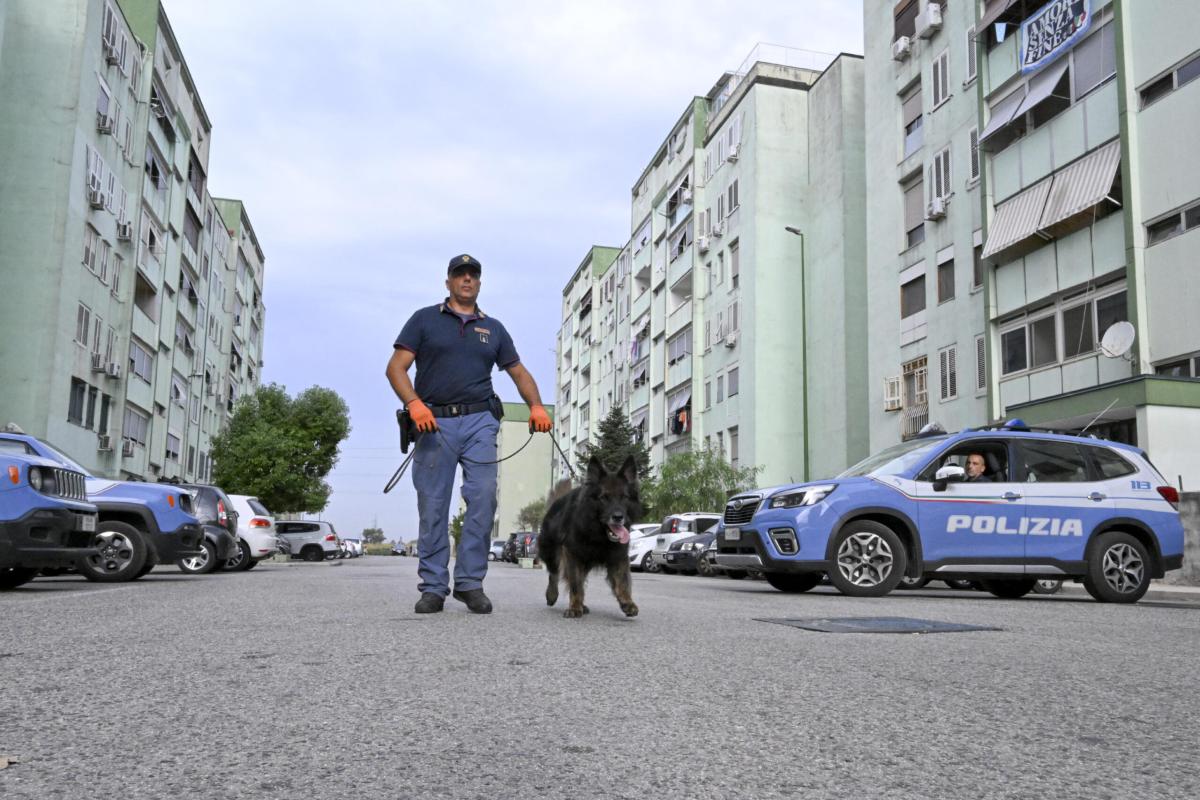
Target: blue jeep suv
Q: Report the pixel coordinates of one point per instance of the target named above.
(45, 519)
(1003, 505)
(140, 524)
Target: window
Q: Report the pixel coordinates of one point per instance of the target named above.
(97, 334)
(912, 297)
(720, 207)
(1043, 342)
(913, 122)
(136, 426)
(1012, 351)
(1177, 77)
(154, 170)
(940, 175)
(720, 388)
(971, 55)
(948, 370)
(980, 363)
(733, 447)
(733, 265)
(83, 324)
(191, 228)
(173, 444)
(1185, 219)
(945, 275)
(78, 398)
(1051, 462)
(977, 267)
(1109, 464)
(707, 395)
(105, 404)
(679, 346)
(141, 362)
(973, 138)
(732, 378)
(118, 266)
(102, 261)
(1079, 336)
(178, 389)
(914, 213)
(1095, 60)
(905, 19)
(1061, 334)
(941, 78)
(89, 247)
(732, 194)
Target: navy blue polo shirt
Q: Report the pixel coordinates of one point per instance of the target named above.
(456, 354)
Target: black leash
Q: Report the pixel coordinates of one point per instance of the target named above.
(391, 484)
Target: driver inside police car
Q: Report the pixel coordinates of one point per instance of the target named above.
(455, 347)
(976, 467)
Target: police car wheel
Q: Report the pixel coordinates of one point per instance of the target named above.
(913, 583)
(793, 583)
(1047, 585)
(12, 577)
(1009, 588)
(869, 559)
(121, 553)
(1118, 569)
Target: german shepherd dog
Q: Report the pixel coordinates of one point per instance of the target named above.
(588, 527)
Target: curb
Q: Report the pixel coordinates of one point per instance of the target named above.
(1163, 593)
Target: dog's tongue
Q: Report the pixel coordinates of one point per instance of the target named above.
(621, 531)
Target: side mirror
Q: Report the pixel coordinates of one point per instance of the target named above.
(947, 475)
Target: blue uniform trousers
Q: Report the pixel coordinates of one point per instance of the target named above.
(473, 437)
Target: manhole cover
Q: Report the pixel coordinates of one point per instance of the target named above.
(877, 625)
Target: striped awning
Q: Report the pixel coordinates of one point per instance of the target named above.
(1002, 114)
(1042, 86)
(638, 417)
(1083, 184)
(1017, 218)
(679, 401)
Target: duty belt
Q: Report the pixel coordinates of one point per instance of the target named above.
(460, 409)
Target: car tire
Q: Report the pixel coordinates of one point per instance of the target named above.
(122, 553)
(868, 559)
(240, 562)
(1118, 569)
(793, 583)
(913, 583)
(737, 574)
(146, 568)
(648, 564)
(704, 567)
(253, 563)
(312, 553)
(959, 584)
(1008, 588)
(202, 564)
(491, 556)
(1047, 585)
(12, 577)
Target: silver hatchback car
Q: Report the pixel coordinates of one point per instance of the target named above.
(311, 541)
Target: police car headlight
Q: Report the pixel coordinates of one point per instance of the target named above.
(802, 497)
(35, 478)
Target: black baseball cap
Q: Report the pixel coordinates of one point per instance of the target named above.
(464, 262)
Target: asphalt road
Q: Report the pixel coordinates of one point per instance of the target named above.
(299, 681)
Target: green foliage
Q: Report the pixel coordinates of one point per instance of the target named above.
(616, 440)
(373, 535)
(694, 481)
(456, 525)
(530, 517)
(378, 549)
(280, 449)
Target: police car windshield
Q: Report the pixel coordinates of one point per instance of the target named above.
(895, 460)
(62, 458)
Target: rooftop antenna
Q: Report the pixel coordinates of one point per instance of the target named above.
(1098, 416)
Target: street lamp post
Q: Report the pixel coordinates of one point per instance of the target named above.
(803, 343)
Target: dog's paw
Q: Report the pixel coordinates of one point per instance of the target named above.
(551, 598)
(630, 609)
(587, 610)
(573, 613)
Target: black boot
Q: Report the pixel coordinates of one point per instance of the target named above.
(475, 599)
(430, 603)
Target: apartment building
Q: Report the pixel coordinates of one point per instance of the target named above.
(926, 322)
(717, 325)
(1090, 206)
(119, 270)
(525, 476)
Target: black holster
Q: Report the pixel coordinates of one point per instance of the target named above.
(408, 431)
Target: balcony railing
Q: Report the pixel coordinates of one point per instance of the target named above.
(913, 419)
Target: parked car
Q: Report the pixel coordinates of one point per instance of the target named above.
(641, 542)
(353, 547)
(510, 549)
(311, 541)
(1049, 505)
(496, 551)
(46, 521)
(683, 555)
(256, 533)
(679, 526)
(219, 520)
(527, 544)
(138, 524)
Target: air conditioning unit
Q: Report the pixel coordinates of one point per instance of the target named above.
(929, 21)
(127, 448)
(733, 151)
(901, 48)
(96, 198)
(105, 444)
(113, 370)
(97, 362)
(936, 208)
(731, 339)
(718, 228)
(702, 244)
(124, 231)
(220, 399)
(111, 54)
(685, 195)
(104, 123)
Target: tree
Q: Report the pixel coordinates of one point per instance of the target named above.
(280, 449)
(530, 517)
(373, 536)
(617, 439)
(696, 481)
(456, 523)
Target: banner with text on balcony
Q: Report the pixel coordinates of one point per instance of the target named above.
(1052, 30)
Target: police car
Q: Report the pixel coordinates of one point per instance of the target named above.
(1046, 506)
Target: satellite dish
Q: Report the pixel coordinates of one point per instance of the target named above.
(1118, 339)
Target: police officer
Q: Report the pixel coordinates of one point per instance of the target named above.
(976, 467)
(455, 346)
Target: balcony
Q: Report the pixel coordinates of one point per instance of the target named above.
(641, 304)
(680, 371)
(681, 268)
(680, 318)
(144, 328)
(156, 199)
(912, 419)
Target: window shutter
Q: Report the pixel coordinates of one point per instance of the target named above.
(980, 364)
(974, 153)
(944, 388)
(911, 108)
(951, 359)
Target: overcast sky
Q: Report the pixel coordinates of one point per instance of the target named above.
(371, 141)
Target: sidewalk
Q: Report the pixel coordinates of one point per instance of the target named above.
(1159, 591)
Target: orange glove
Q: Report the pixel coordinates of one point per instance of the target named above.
(422, 417)
(539, 420)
